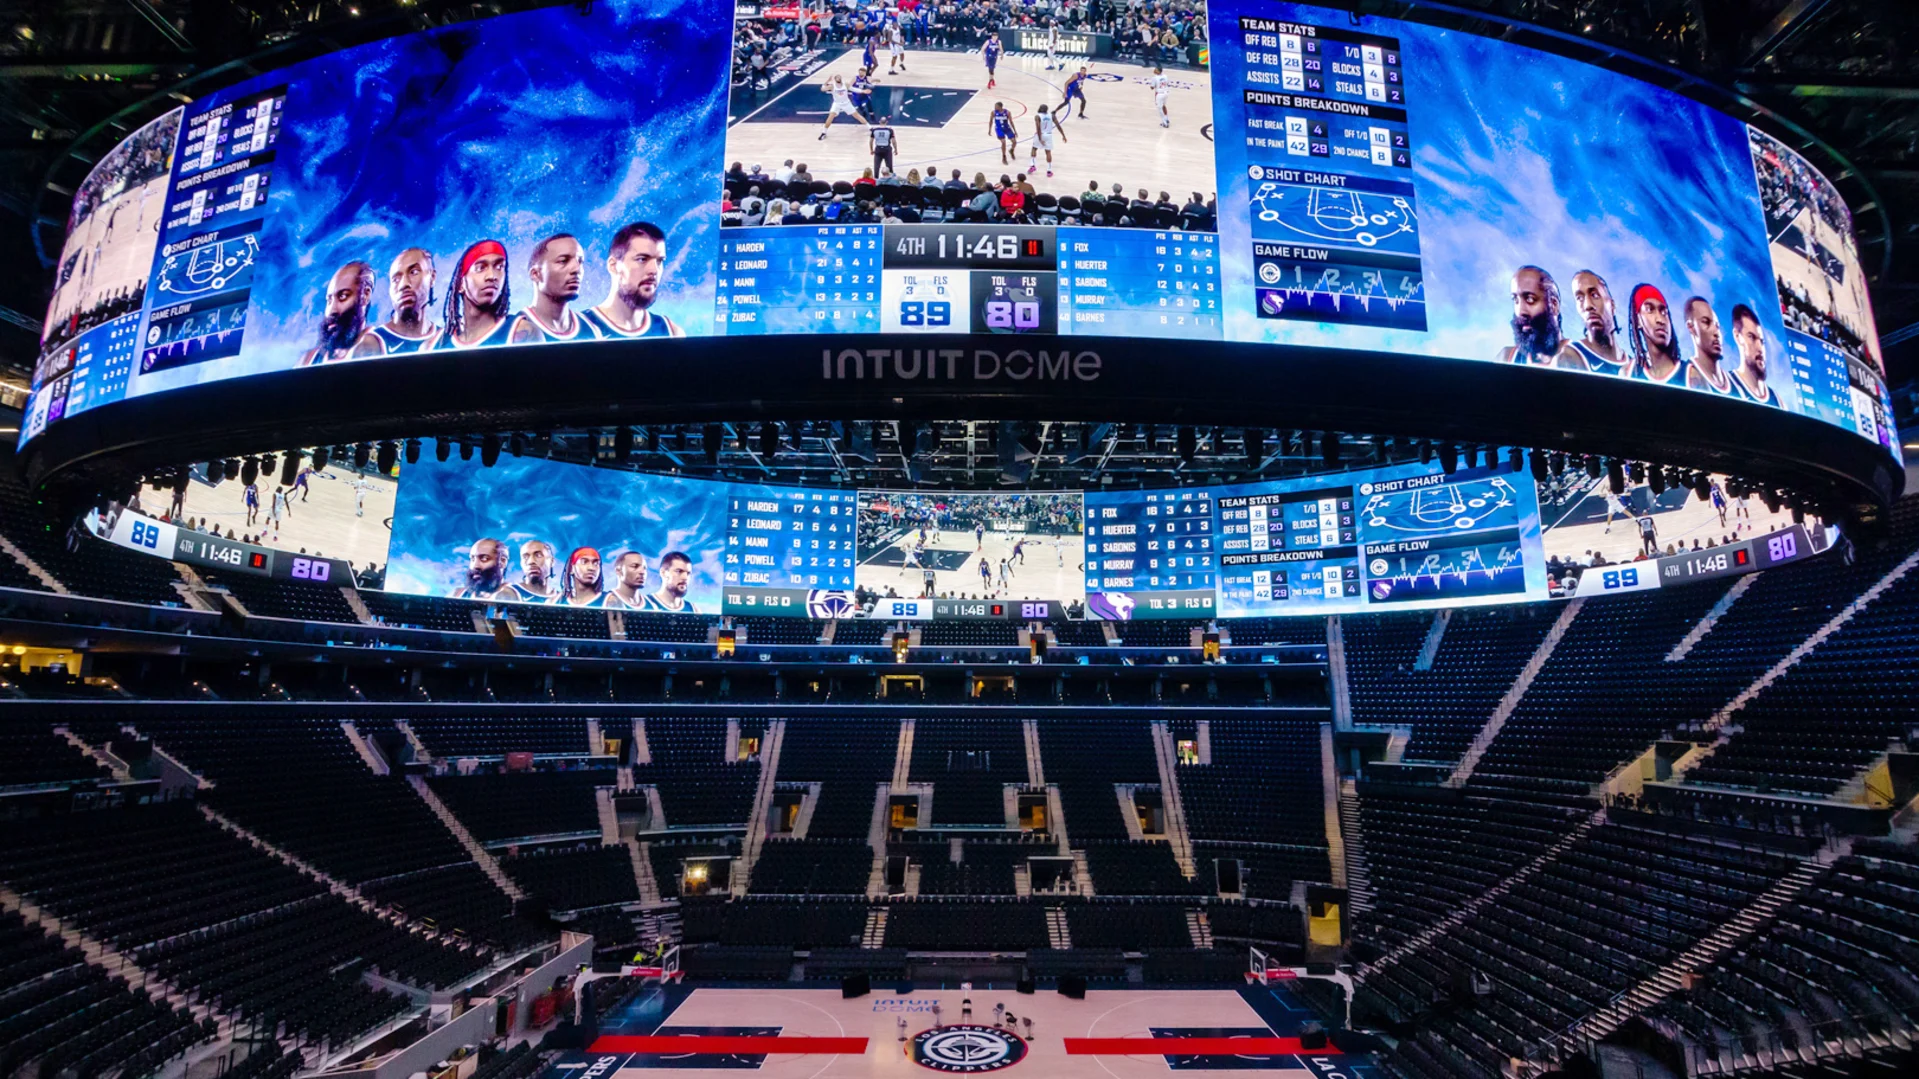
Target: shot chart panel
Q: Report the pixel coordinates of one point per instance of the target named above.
(1437, 537)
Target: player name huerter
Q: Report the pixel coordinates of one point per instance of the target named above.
(949, 364)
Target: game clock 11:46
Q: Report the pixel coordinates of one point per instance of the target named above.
(969, 279)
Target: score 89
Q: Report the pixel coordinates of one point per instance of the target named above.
(926, 313)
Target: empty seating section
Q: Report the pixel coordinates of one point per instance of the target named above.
(672, 628)
(1265, 872)
(493, 736)
(945, 925)
(849, 758)
(459, 900)
(1605, 915)
(1429, 850)
(211, 914)
(1594, 705)
(36, 755)
(779, 630)
(697, 784)
(1838, 966)
(812, 867)
(576, 877)
(813, 923)
(1836, 711)
(524, 805)
(1256, 631)
(862, 631)
(281, 598)
(964, 634)
(539, 620)
(1480, 654)
(1161, 633)
(1083, 634)
(422, 612)
(669, 859)
(68, 1014)
(1085, 758)
(1132, 926)
(1136, 867)
(1263, 785)
(969, 762)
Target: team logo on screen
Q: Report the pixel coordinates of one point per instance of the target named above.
(825, 603)
(966, 1048)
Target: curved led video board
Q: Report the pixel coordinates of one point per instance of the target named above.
(1278, 179)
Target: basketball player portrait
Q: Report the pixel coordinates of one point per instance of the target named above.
(343, 332)
(636, 261)
(557, 269)
(1537, 332)
(1749, 378)
(1708, 370)
(479, 301)
(582, 581)
(629, 583)
(676, 575)
(1600, 350)
(409, 325)
(1655, 347)
(485, 570)
(536, 573)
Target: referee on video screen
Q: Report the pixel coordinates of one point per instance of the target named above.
(881, 139)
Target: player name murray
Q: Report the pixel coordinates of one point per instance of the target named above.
(959, 365)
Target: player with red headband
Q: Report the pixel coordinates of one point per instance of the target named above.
(478, 302)
(636, 261)
(1655, 347)
(582, 582)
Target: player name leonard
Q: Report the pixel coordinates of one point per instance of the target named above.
(959, 365)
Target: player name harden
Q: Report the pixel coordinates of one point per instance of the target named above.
(959, 365)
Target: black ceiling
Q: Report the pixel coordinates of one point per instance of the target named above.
(1837, 78)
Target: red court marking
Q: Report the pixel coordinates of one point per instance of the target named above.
(1259, 1047)
(718, 1043)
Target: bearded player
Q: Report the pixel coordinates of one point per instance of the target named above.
(409, 326)
(1537, 334)
(478, 303)
(485, 571)
(1708, 369)
(676, 575)
(536, 574)
(1655, 347)
(635, 262)
(1749, 378)
(558, 267)
(1600, 350)
(343, 332)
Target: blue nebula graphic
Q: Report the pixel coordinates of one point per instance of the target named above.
(444, 506)
(1521, 157)
(512, 128)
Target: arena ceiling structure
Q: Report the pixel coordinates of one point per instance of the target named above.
(1834, 80)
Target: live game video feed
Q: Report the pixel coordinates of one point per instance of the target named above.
(535, 531)
(950, 545)
(534, 178)
(926, 170)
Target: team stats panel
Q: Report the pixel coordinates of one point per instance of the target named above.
(1287, 552)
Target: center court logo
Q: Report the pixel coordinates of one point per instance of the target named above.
(966, 1048)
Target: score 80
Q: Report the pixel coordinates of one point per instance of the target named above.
(1012, 314)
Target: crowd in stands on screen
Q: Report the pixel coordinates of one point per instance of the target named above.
(756, 198)
(477, 310)
(1656, 341)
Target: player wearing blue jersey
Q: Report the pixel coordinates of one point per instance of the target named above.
(1538, 339)
(485, 576)
(1000, 126)
(1708, 368)
(861, 94)
(343, 332)
(536, 575)
(479, 302)
(558, 267)
(1600, 351)
(1075, 91)
(990, 51)
(1654, 345)
(409, 326)
(869, 57)
(1749, 378)
(635, 262)
(676, 576)
(629, 589)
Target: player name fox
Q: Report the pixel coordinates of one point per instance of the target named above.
(951, 364)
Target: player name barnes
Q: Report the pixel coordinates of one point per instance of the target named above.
(959, 365)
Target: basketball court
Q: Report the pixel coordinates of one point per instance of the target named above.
(1049, 566)
(333, 520)
(794, 1032)
(1576, 527)
(940, 108)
